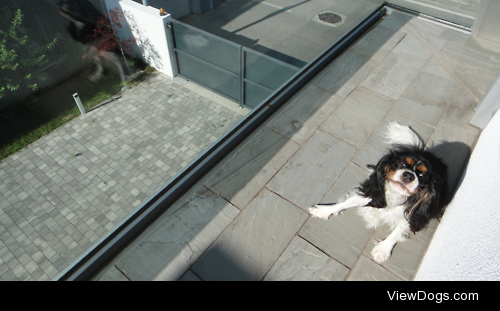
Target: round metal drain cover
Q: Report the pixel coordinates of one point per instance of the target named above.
(330, 18)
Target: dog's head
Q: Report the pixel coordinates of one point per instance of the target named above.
(408, 173)
(419, 176)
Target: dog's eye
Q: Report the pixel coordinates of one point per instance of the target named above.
(422, 176)
(402, 163)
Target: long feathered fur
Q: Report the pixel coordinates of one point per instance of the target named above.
(427, 202)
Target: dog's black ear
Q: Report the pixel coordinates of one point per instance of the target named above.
(429, 202)
(374, 186)
(422, 207)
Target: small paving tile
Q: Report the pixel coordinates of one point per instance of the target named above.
(303, 262)
(308, 175)
(179, 241)
(242, 177)
(141, 133)
(368, 270)
(253, 242)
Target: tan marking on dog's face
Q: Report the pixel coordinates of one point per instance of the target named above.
(409, 161)
(422, 168)
(389, 173)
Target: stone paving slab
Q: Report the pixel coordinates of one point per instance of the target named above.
(242, 178)
(303, 262)
(304, 114)
(342, 237)
(368, 270)
(360, 104)
(393, 75)
(379, 41)
(253, 242)
(345, 73)
(176, 245)
(346, 184)
(453, 144)
(406, 257)
(308, 175)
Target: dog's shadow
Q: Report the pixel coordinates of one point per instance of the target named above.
(456, 156)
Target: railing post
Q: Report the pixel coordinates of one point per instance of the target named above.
(79, 103)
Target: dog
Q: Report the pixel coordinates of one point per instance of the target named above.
(405, 190)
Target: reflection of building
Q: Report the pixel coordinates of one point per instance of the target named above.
(43, 23)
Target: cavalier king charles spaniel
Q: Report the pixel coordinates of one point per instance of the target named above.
(406, 189)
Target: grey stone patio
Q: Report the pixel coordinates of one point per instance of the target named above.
(55, 203)
(248, 219)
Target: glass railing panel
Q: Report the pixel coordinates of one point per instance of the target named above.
(68, 179)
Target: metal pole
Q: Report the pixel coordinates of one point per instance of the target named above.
(79, 103)
(145, 2)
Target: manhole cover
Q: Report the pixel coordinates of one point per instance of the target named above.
(330, 18)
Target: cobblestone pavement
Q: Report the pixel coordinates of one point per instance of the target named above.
(64, 192)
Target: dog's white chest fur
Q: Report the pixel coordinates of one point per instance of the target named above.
(392, 197)
(390, 215)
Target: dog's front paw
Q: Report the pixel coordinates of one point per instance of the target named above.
(320, 211)
(381, 253)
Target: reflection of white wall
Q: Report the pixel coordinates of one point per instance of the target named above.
(148, 29)
(466, 245)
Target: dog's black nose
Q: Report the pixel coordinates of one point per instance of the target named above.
(408, 177)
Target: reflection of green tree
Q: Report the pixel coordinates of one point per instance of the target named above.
(20, 56)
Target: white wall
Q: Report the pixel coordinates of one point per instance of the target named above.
(148, 28)
(487, 23)
(466, 245)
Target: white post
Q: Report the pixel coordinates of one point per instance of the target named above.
(79, 103)
(145, 2)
